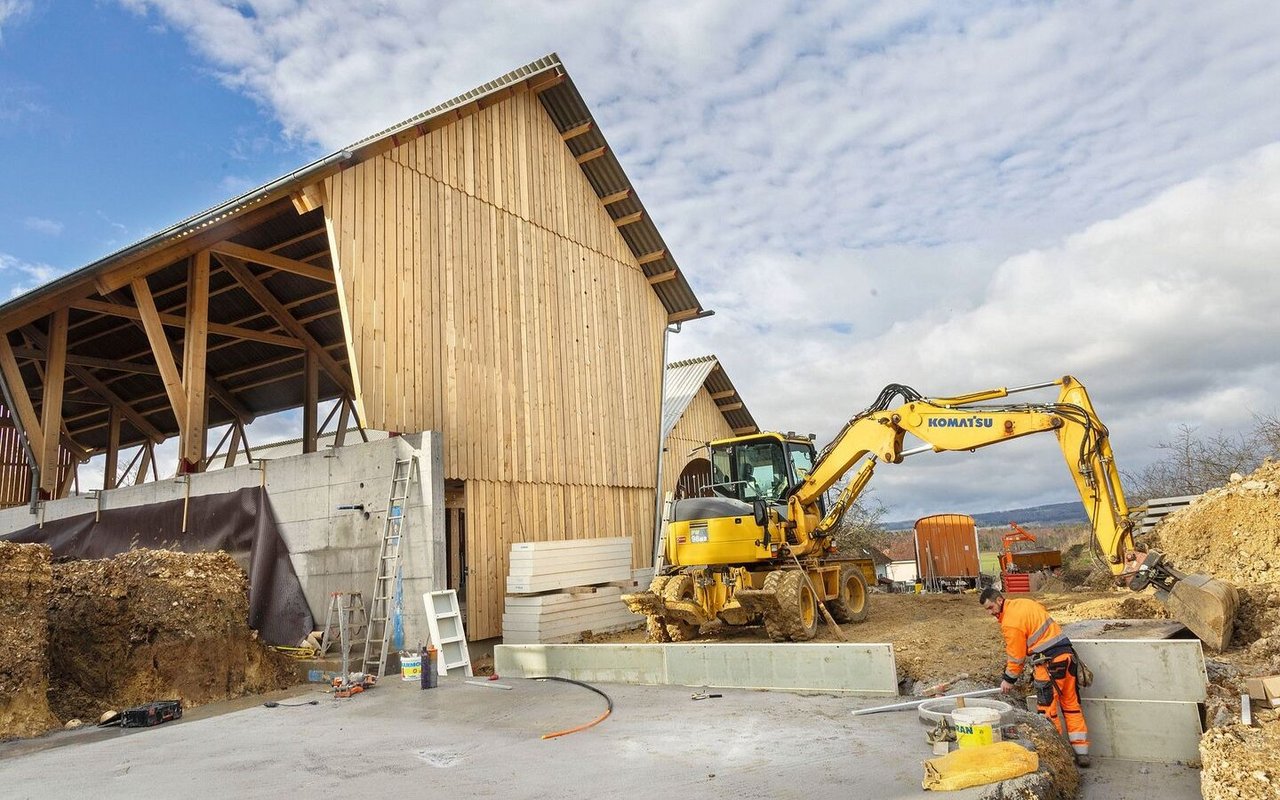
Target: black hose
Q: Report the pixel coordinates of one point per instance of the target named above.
(595, 721)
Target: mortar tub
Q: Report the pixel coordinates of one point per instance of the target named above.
(931, 711)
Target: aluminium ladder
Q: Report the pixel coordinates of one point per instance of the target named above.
(346, 611)
(378, 633)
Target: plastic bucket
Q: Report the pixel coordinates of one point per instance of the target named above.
(410, 668)
(976, 726)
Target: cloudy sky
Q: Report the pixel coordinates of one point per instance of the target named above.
(951, 195)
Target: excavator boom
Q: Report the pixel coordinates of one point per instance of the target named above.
(968, 422)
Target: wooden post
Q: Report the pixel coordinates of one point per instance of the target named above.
(234, 446)
(144, 465)
(113, 450)
(51, 404)
(340, 435)
(191, 441)
(310, 402)
(150, 319)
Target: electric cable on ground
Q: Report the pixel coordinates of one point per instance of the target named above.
(593, 722)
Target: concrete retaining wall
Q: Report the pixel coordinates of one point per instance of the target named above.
(853, 668)
(332, 549)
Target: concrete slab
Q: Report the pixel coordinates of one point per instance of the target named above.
(1144, 669)
(1143, 730)
(470, 741)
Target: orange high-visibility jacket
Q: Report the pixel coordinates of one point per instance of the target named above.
(1027, 629)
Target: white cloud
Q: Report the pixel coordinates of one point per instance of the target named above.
(888, 191)
(30, 274)
(10, 11)
(49, 227)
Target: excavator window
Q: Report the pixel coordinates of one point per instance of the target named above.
(750, 471)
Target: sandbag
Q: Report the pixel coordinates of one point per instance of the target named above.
(974, 766)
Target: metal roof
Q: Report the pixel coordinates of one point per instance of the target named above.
(686, 378)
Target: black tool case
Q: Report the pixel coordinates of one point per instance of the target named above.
(151, 714)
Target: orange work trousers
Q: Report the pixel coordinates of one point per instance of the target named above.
(1057, 699)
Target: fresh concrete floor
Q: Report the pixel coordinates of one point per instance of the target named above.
(462, 741)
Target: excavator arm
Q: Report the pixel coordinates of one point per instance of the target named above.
(972, 421)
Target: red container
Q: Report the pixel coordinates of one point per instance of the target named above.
(947, 551)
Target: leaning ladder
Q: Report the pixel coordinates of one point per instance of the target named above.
(378, 633)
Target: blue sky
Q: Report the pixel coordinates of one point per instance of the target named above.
(950, 195)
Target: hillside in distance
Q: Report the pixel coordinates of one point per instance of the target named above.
(1039, 516)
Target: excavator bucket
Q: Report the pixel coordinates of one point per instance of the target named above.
(1205, 605)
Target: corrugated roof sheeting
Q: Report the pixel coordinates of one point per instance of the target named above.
(685, 378)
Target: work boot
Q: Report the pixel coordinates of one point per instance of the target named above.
(1082, 761)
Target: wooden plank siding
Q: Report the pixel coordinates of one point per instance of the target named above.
(701, 422)
(487, 294)
(15, 473)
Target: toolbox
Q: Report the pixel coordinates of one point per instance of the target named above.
(151, 714)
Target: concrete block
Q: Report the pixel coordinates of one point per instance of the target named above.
(1130, 669)
(855, 668)
(1143, 730)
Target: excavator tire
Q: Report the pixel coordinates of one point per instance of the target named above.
(656, 627)
(851, 604)
(776, 624)
(680, 587)
(799, 606)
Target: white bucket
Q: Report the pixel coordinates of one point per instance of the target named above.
(976, 726)
(410, 668)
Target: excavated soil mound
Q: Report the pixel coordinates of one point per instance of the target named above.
(25, 583)
(1240, 763)
(1124, 605)
(1057, 778)
(153, 625)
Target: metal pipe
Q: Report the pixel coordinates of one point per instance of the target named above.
(1032, 387)
(917, 703)
(657, 485)
(924, 448)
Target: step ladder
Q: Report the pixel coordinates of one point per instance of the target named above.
(403, 474)
(346, 616)
(444, 620)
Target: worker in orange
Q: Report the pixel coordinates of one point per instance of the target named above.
(1032, 638)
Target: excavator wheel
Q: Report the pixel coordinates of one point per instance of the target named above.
(775, 622)
(680, 587)
(656, 627)
(799, 606)
(851, 605)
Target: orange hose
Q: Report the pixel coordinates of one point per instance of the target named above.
(590, 724)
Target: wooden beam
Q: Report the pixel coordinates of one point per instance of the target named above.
(616, 197)
(160, 349)
(148, 453)
(191, 440)
(51, 403)
(592, 155)
(629, 219)
(340, 435)
(274, 261)
(234, 446)
(649, 258)
(576, 131)
(727, 393)
(112, 462)
(309, 198)
(743, 431)
(91, 382)
(685, 314)
(25, 411)
(273, 306)
(32, 354)
(663, 277)
(729, 407)
(130, 312)
(542, 84)
(310, 402)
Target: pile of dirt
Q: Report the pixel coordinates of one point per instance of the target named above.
(1057, 778)
(1240, 763)
(25, 583)
(153, 625)
(1121, 604)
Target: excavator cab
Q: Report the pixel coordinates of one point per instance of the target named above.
(766, 467)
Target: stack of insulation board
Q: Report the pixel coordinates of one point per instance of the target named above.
(557, 590)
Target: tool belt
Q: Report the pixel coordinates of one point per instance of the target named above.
(1058, 669)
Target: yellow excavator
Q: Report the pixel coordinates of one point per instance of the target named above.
(758, 548)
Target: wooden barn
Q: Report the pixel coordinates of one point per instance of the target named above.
(484, 270)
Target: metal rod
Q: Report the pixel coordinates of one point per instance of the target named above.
(1032, 387)
(924, 448)
(917, 703)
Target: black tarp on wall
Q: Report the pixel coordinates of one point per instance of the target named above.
(240, 523)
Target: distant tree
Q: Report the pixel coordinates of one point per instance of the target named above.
(862, 525)
(1192, 464)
